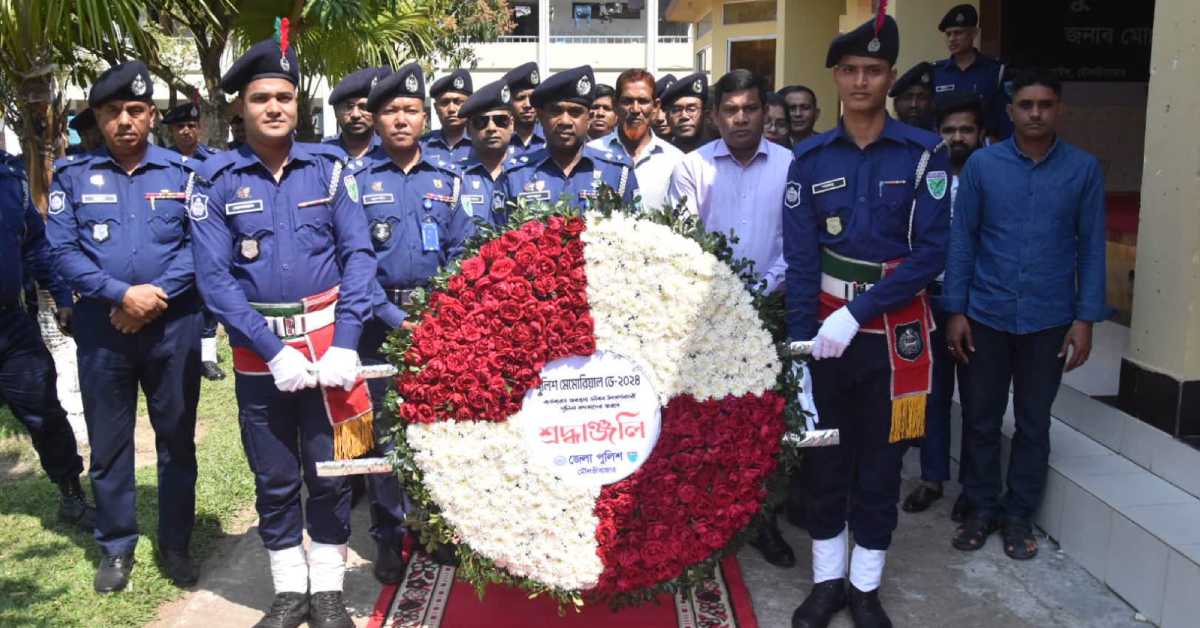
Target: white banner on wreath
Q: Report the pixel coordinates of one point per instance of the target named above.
(594, 420)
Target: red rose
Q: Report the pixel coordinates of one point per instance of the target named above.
(502, 268)
(518, 289)
(545, 267)
(575, 250)
(470, 332)
(574, 226)
(527, 254)
(545, 285)
(473, 268)
(510, 311)
(491, 251)
(532, 229)
(511, 240)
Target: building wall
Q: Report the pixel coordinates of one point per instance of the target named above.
(809, 26)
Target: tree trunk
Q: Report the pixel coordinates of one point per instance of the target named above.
(43, 125)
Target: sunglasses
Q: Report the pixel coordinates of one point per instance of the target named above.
(501, 120)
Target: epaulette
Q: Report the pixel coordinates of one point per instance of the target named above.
(927, 140)
(606, 155)
(326, 150)
(534, 157)
(210, 168)
(72, 160)
(811, 142)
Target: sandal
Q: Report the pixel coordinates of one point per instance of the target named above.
(973, 534)
(1019, 541)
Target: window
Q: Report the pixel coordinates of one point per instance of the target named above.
(756, 55)
(744, 12)
(704, 26)
(703, 59)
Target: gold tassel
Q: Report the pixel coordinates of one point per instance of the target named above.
(908, 418)
(354, 437)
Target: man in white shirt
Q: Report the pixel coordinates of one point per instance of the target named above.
(735, 184)
(653, 158)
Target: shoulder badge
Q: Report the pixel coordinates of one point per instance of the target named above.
(936, 183)
(791, 196)
(198, 207)
(58, 202)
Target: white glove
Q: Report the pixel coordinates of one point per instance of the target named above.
(835, 335)
(805, 398)
(292, 371)
(338, 368)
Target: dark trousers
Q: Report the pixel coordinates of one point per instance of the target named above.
(935, 447)
(209, 329)
(28, 385)
(285, 435)
(163, 359)
(388, 502)
(857, 481)
(1030, 363)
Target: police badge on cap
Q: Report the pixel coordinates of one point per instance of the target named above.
(410, 83)
(583, 87)
(534, 77)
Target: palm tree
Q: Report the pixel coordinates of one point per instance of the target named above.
(41, 44)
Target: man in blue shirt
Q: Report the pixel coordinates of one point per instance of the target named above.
(284, 259)
(567, 167)
(1025, 281)
(490, 119)
(969, 70)
(27, 375)
(912, 96)
(121, 240)
(449, 144)
(527, 134)
(356, 133)
(865, 224)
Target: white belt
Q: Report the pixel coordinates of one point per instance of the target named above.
(841, 289)
(300, 324)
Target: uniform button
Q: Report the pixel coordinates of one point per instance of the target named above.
(862, 199)
(285, 266)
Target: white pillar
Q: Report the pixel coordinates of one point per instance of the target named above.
(651, 12)
(543, 45)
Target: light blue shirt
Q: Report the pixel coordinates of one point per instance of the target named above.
(653, 167)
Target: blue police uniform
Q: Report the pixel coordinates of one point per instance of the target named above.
(481, 195)
(110, 230)
(537, 178)
(521, 78)
(537, 141)
(984, 77)
(336, 142)
(354, 86)
(435, 147)
(27, 374)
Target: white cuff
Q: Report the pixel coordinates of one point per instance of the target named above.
(289, 570)
(326, 566)
(866, 568)
(829, 558)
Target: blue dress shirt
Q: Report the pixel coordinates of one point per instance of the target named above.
(435, 148)
(1028, 241)
(536, 177)
(481, 197)
(984, 77)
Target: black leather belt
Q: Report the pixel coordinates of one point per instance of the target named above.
(402, 298)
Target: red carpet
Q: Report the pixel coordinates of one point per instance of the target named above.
(430, 597)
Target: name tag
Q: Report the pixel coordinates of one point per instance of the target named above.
(99, 198)
(469, 201)
(945, 88)
(829, 186)
(375, 199)
(544, 195)
(244, 207)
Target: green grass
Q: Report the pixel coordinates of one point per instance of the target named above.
(46, 570)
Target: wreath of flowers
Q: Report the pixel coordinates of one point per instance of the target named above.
(655, 288)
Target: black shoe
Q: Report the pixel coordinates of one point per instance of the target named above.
(73, 508)
(211, 371)
(389, 565)
(288, 610)
(922, 497)
(177, 565)
(772, 546)
(822, 603)
(866, 610)
(445, 555)
(113, 573)
(326, 610)
(961, 510)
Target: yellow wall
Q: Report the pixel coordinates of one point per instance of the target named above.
(808, 26)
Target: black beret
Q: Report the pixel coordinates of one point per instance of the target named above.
(524, 76)
(456, 81)
(497, 95)
(127, 81)
(407, 81)
(604, 91)
(83, 120)
(663, 83)
(262, 60)
(187, 112)
(695, 85)
(357, 84)
(962, 15)
(576, 85)
(865, 42)
(920, 74)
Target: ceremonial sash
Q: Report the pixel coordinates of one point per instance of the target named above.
(349, 413)
(907, 329)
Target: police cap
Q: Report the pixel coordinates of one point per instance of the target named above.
(497, 95)
(456, 81)
(920, 75)
(962, 15)
(126, 81)
(663, 83)
(266, 59)
(408, 82)
(357, 84)
(865, 41)
(577, 85)
(187, 112)
(694, 85)
(522, 77)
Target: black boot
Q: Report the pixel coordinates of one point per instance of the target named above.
(822, 603)
(211, 371)
(866, 609)
(177, 565)
(771, 544)
(445, 555)
(389, 564)
(288, 610)
(73, 508)
(327, 610)
(113, 573)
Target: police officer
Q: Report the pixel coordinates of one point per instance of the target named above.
(27, 374)
(866, 222)
(121, 240)
(967, 69)
(490, 120)
(566, 167)
(284, 261)
(183, 125)
(662, 125)
(450, 143)
(349, 100)
(912, 96)
(417, 227)
(84, 123)
(528, 135)
(686, 103)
